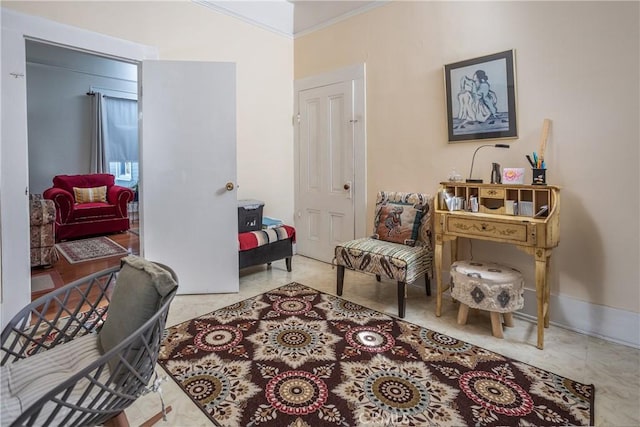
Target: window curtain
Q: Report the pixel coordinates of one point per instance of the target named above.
(99, 162)
(114, 131)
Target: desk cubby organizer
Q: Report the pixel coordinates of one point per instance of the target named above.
(496, 198)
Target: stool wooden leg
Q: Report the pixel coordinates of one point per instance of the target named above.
(508, 319)
(463, 312)
(340, 279)
(402, 298)
(496, 325)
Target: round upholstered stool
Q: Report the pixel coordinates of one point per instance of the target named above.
(487, 286)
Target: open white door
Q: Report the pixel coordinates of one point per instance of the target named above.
(188, 159)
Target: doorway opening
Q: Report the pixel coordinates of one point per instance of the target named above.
(62, 128)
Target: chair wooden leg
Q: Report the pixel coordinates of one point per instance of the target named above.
(156, 418)
(119, 420)
(378, 277)
(427, 284)
(402, 299)
(340, 279)
(287, 262)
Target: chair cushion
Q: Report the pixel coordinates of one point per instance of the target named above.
(138, 294)
(400, 217)
(90, 194)
(393, 260)
(25, 381)
(95, 211)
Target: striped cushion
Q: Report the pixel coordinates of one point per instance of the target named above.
(27, 380)
(90, 195)
(393, 260)
(253, 239)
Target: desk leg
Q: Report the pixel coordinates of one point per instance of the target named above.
(542, 292)
(438, 265)
(547, 290)
(454, 250)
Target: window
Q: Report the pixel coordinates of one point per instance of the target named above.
(123, 171)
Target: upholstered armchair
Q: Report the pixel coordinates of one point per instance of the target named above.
(88, 205)
(42, 214)
(400, 247)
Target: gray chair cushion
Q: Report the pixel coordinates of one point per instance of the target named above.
(25, 381)
(139, 292)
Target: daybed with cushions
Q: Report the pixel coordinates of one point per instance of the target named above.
(88, 205)
(91, 358)
(266, 246)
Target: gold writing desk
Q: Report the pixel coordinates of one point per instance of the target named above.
(494, 220)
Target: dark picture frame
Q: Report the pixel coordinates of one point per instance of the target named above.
(481, 98)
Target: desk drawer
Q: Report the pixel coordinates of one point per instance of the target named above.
(494, 230)
(492, 193)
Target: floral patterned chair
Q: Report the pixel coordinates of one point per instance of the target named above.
(42, 220)
(400, 248)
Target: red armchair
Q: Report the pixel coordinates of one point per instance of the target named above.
(95, 215)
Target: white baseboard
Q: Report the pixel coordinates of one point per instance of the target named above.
(611, 324)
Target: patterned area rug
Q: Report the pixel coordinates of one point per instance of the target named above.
(89, 249)
(298, 357)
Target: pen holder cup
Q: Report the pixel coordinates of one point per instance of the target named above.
(539, 176)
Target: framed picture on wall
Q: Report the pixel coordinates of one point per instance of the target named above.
(481, 98)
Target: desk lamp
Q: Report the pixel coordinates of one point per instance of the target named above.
(473, 159)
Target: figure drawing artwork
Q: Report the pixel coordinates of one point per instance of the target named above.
(480, 97)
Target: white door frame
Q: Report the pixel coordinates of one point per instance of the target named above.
(355, 73)
(14, 199)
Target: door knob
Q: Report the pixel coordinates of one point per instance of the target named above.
(346, 186)
(229, 186)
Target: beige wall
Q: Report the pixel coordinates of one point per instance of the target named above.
(576, 63)
(183, 30)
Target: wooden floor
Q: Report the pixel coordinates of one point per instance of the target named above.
(70, 272)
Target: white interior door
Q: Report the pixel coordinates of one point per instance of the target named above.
(325, 215)
(188, 155)
(14, 177)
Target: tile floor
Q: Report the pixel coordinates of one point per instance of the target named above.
(613, 369)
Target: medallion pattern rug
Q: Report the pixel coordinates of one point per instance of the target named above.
(89, 249)
(297, 357)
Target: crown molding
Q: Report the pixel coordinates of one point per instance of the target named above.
(273, 16)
